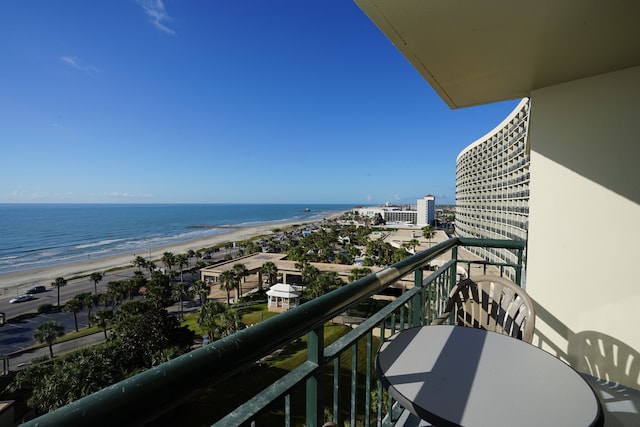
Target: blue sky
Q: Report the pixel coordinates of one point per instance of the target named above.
(206, 101)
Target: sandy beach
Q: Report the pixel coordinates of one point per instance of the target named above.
(46, 275)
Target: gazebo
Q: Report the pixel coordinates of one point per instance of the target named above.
(282, 297)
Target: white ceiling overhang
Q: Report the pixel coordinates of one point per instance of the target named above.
(480, 51)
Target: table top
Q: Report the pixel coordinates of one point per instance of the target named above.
(455, 375)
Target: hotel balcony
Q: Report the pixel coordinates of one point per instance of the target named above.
(579, 64)
(336, 381)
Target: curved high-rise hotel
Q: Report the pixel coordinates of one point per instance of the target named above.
(492, 185)
(577, 64)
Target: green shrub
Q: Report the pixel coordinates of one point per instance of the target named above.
(254, 296)
(45, 308)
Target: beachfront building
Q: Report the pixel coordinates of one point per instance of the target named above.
(389, 213)
(421, 214)
(288, 271)
(578, 63)
(492, 186)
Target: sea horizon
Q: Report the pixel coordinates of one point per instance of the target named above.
(36, 235)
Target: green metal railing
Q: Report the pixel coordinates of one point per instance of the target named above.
(334, 386)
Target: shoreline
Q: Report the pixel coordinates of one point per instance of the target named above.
(46, 275)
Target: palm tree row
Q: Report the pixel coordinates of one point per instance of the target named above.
(143, 335)
(80, 302)
(159, 291)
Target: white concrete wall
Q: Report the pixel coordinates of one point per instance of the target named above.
(584, 234)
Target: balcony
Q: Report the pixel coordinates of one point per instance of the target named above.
(336, 381)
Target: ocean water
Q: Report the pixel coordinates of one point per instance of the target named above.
(40, 235)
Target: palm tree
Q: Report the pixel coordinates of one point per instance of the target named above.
(151, 266)
(103, 318)
(323, 283)
(428, 232)
(96, 277)
(413, 243)
(308, 271)
(179, 291)
(116, 292)
(241, 272)
(75, 306)
(168, 259)
(180, 261)
(134, 284)
(374, 249)
(208, 315)
(58, 283)
(47, 333)
(228, 283)
(201, 289)
(241, 245)
(230, 323)
(252, 247)
(139, 262)
(359, 273)
(89, 300)
(271, 271)
(190, 254)
(295, 253)
(158, 290)
(399, 255)
(130, 288)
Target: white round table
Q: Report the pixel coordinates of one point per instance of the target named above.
(459, 376)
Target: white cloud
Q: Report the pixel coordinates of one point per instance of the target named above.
(158, 15)
(78, 64)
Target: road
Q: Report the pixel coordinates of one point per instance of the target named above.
(17, 336)
(50, 296)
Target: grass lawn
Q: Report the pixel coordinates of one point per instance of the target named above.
(215, 402)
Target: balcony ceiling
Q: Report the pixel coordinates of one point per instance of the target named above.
(476, 52)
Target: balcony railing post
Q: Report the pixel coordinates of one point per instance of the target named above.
(519, 267)
(454, 269)
(416, 303)
(315, 389)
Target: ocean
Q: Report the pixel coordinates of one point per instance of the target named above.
(42, 235)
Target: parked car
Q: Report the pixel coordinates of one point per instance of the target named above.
(36, 290)
(21, 298)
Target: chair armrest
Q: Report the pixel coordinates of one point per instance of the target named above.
(441, 319)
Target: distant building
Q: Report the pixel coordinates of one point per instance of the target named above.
(423, 213)
(426, 211)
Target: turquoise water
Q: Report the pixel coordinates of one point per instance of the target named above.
(40, 235)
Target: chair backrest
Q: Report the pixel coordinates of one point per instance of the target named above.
(495, 304)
